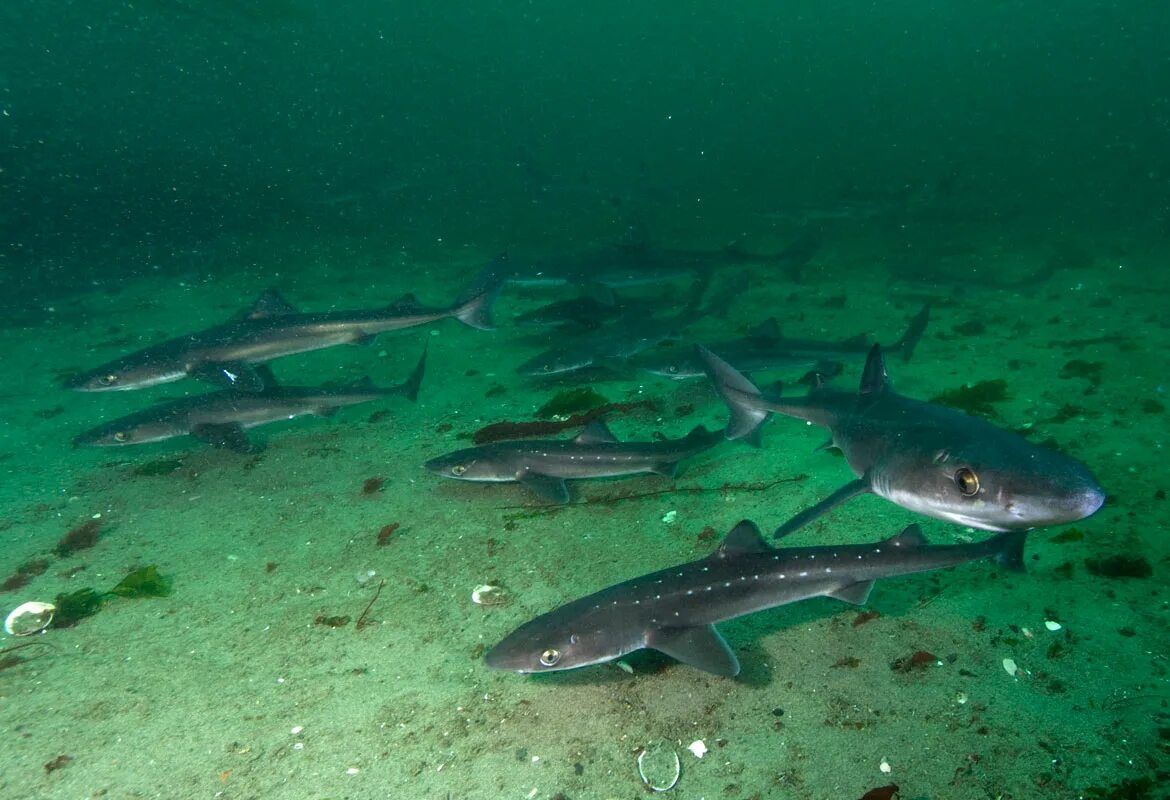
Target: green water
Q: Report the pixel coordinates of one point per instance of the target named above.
(162, 163)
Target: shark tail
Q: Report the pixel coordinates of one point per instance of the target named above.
(1009, 550)
(474, 307)
(742, 397)
(913, 334)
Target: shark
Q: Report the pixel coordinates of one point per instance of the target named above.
(222, 418)
(543, 466)
(766, 348)
(675, 610)
(922, 456)
(227, 355)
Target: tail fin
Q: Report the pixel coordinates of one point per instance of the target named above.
(740, 395)
(410, 388)
(474, 306)
(1009, 550)
(913, 334)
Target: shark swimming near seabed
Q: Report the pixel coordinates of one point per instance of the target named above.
(921, 456)
(222, 418)
(227, 355)
(543, 466)
(766, 348)
(675, 610)
(611, 345)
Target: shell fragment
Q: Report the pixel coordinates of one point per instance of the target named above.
(659, 767)
(29, 618)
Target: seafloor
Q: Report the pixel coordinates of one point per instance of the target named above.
(234, 687)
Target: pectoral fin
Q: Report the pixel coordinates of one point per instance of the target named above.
(229, 436)
(702, 648)
(546, 487)
(855, 593)
(845, 493)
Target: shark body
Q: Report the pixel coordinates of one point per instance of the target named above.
(922, 456)
(766, 348)
(675, 610)
(543, 466)
(222, 418)
(227, 355)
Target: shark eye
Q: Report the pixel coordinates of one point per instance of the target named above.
(550, 657)
(672, 369)
(458, 469)
(121, 436)
(108, 380)
(967, 481)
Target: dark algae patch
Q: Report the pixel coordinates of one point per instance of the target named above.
(82, 537)
(975, 399)
(1121, 565)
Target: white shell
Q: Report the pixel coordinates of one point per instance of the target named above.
(659, 767)
(29, 618)
(1052, 625)
(487, 595)
(1009, 666)
(698, 747)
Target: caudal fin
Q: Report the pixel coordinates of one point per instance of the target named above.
(741, 396)
(474, 306)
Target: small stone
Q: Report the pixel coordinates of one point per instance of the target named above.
(1009, 666)
(1052, 625)
(885, 767)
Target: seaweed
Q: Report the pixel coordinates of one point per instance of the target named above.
(144, 582)
(81, 537)
(24, 573)
(72, 608)
(975, 399)
(569, 402)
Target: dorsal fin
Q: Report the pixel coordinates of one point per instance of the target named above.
(769, 329)
(743, 539)
(874, 380)
(405, 304)
(270, 303)
(596, 432)
(909, 538)
(269, 380)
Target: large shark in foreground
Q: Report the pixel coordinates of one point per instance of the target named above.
(922, 456)
(675, 610)
(543, 465)
(221, 419)
(227, 355)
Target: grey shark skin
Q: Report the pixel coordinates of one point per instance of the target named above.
(227, 355)
(222, 418)
(766, 348)
(922, 456)
(675, 610)
(543, 466)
